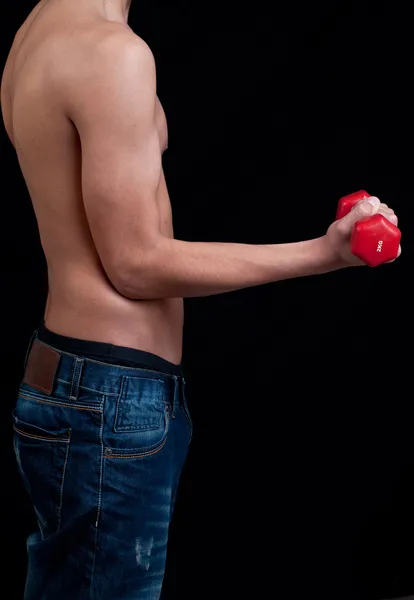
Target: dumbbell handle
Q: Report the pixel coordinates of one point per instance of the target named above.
(375, 240)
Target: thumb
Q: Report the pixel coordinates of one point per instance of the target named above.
(365, 208)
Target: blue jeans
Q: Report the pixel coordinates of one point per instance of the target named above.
(100, 447)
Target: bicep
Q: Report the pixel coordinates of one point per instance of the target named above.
(121, 166)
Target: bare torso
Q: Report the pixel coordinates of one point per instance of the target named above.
(81, 302)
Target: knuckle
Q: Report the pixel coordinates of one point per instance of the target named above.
(390, 215)
(342, 228)
(364, 210)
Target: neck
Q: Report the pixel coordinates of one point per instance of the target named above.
(115, 9)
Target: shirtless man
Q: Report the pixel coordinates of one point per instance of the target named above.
(101, 422)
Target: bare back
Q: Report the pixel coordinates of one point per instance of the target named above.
(82, 302)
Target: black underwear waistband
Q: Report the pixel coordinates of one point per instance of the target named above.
(110, 353)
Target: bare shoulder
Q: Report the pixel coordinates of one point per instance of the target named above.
(113, 48)
(110, 60)
(114, 75)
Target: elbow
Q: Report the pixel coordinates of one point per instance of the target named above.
(141, 281)
(142, 288)
(132, 287)
(123, 282)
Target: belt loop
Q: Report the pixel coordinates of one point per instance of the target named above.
(32, 338)
(76, 375)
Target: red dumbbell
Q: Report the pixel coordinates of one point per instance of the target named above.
(374, 239)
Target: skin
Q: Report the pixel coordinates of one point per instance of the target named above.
(79, 104)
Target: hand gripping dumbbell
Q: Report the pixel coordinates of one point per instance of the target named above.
(374, 239)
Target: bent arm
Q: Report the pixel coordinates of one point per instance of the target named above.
(179, 269)
(114, 113)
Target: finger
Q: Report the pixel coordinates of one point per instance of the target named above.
(372, 200)
(386, 209)
(383, 205)
(366, 208)
(390, 215)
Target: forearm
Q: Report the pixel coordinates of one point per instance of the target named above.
(179, 269)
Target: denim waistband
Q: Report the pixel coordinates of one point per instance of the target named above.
(105, 352)
(83, 372)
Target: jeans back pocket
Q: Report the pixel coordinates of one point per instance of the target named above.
(42, 457)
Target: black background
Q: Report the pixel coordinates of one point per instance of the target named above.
(300, 479)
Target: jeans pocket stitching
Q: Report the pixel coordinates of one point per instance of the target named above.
(35, 398)
(109, 453)
(53, 440)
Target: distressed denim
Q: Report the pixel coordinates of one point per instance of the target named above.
(100, 456)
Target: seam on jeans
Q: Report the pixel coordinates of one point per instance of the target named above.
(62, 484)
(98, 512)
(84, 387)
(41, 437)
(188, 418)
(137, 455)
(35, 399)
(121, 389)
